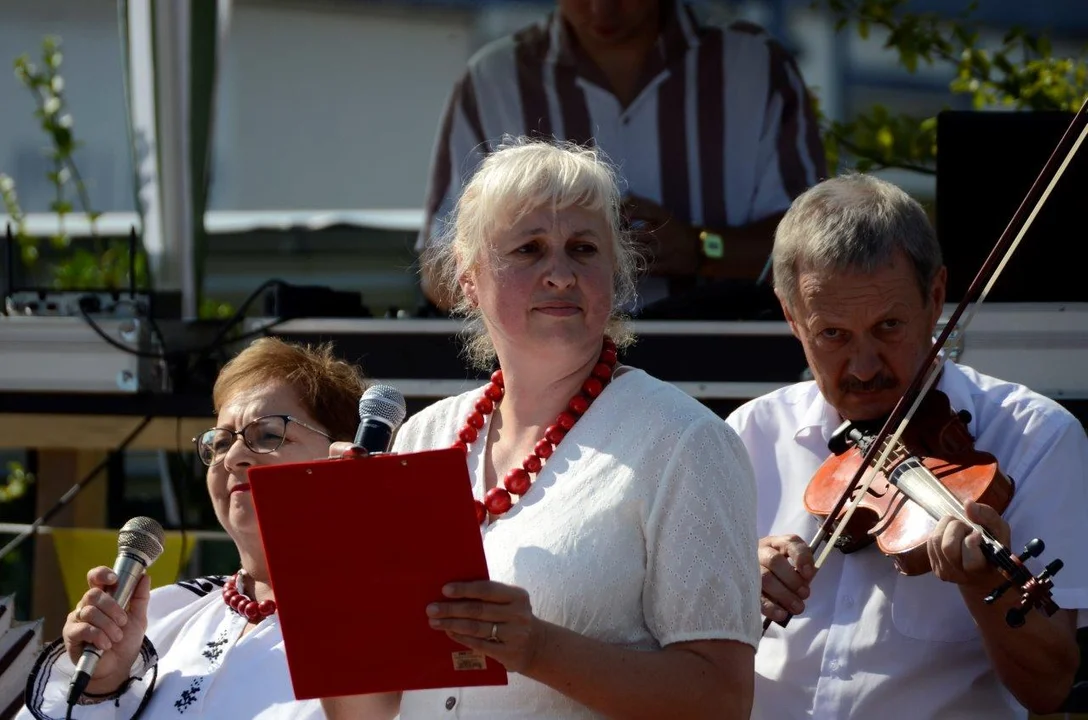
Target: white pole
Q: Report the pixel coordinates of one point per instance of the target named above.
(159, 86)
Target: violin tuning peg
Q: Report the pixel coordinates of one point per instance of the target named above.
(964, 416)
(1033, 548)
(996, 593)
(1050, 571)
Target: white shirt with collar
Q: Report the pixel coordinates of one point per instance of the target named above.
(874, 643)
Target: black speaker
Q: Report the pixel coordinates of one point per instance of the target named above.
(986, 163)
(311, 301)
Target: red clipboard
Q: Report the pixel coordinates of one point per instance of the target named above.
(356, 550)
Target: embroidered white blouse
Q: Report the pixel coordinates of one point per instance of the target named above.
(199, 665)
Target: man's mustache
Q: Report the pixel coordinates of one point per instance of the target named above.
(880, 382)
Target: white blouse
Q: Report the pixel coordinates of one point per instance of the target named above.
(204, 668)
(639, 531)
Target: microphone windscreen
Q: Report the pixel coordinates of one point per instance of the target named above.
(385, 402)
(143, 536)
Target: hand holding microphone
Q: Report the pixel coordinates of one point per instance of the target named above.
(381, 412)
(104, 633)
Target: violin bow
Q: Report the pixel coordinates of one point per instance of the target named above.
(886, 439)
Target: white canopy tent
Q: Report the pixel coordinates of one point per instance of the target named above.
(173, 50)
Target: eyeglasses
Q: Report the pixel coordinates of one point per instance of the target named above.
(263, 435)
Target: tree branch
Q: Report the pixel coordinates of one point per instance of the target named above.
(862, 153)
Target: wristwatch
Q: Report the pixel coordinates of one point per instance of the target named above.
(712, 245)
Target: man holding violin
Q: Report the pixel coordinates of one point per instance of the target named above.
(858, 271)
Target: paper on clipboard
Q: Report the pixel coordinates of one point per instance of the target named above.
(356, 550)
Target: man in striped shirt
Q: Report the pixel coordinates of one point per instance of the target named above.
(711, 128)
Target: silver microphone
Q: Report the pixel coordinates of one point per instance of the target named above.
(381, 412)
(138, 545)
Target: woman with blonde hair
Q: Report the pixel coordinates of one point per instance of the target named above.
(211, 647)
(618, 513)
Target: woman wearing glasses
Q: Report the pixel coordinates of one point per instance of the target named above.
(212, 648)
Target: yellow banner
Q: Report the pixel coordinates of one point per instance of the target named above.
(80, 549)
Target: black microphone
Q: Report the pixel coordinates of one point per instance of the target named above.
(138, 545)
(381, 412)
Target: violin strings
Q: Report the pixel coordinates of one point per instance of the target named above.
(938, 494)
(862, 488)
(890, 442)
(940, 501)
(950, 505)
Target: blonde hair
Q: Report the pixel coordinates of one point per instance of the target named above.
(328, 387)
(521, 176)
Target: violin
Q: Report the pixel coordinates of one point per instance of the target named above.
(934, 469)
(927, 465)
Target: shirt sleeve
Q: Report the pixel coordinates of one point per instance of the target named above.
(458, 150)
(1049, 501)
(791, 155)
(702, 577)
(46, 694)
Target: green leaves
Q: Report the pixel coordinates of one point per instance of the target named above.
(18, 480)
(1020, 74)
(211, 309)
(106, 269)
(107, 265)
(28, 250)
(879, 139)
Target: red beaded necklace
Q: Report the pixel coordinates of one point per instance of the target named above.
(237, 601)
(497, 500)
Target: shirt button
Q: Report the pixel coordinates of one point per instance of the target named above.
(450, 702)
(848, 602)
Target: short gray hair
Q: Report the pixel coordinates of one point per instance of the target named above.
(853, 222)
(522, 175)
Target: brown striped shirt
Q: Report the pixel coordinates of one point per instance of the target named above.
(722, 134)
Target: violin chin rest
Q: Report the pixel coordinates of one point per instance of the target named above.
(847, 544)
